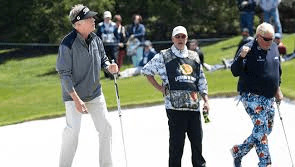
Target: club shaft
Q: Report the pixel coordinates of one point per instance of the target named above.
(281, 118)
(120, 116)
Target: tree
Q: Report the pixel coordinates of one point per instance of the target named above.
(47, 21)
(39, 20)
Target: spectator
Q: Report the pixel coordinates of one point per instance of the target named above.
(288, 57)
(182, 80)
(194, 46)
(106, 31)
(270, 10)
(80, 57)
(132, 45)
(282, 48)
(120, 35)
(245, 38)
(148, 53)
(247, 11)
(136, 30)
(258, 67)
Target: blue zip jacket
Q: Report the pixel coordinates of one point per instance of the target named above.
(259, 72)
(138, 30)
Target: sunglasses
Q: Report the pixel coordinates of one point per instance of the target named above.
(180, 36)
(266, 39)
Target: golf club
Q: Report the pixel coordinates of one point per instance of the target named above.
(278, 107)
(119, 112)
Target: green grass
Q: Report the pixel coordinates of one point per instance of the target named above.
(6, 50)
(30, 88)
(288, 79)
(224, 49)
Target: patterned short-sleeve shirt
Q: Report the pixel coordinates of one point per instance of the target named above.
(156, 66)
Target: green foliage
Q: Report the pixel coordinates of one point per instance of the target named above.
(198, 16)
(47, 21)
(41, 21)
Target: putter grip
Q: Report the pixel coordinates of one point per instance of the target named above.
(114, 74)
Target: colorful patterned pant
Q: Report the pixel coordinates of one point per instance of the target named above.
(261, 111)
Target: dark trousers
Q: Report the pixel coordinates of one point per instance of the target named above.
(181, 122)
(121, 55)
(110, 52)
(246, 21)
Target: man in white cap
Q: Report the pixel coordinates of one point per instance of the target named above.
(80, 57)
(183, 80)
(106, 32)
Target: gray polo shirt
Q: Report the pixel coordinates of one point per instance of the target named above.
(79, 63)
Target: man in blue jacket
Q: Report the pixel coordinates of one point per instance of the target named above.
(258, 67)
(136, 30)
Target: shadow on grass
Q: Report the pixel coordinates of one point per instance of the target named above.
(53, 71)
(49, 73)
(24, 53)
(229, 47)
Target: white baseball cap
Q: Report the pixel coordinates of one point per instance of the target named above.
(107, 14)
(179, 30)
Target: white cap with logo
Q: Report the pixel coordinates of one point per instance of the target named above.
(179, 30)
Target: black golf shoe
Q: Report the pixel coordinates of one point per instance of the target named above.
(237, 162)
